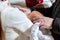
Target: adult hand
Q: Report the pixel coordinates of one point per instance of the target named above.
(45, 22)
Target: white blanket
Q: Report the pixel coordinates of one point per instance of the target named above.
(14, 18)
(40, 34)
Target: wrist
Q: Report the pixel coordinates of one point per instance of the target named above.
(52, 22)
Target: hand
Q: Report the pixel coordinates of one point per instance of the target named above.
(25, 10)
(45, 22)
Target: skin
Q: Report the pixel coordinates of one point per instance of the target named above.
(46, 22)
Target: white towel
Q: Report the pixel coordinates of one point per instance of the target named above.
(40, 34)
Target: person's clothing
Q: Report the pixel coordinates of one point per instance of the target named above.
(56, 22)
(24, 3)
(53, 12)
(3, 5)
(13, 18)
(31, 3)
(46, 3)
(18, 2)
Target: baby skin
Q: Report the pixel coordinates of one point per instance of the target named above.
(33, 15)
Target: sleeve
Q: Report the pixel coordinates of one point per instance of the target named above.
(56, 16)
(17, 19)
(18, 2)
(56, 25)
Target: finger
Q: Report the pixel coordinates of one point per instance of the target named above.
(49, 27)
(35, 21)
(35, 18)
(22, 9)
(43, 27)
(41, 21)
(38, 19)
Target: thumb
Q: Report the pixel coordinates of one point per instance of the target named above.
(22, 8)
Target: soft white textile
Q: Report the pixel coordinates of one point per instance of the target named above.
(47, 3)
(18, 2)
(14, 18)
(3, 5)
(40, 34)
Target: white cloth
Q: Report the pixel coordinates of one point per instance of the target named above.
(14, 18)
(18, 2)
(3, 5)
(40, 34)
(47, 3)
